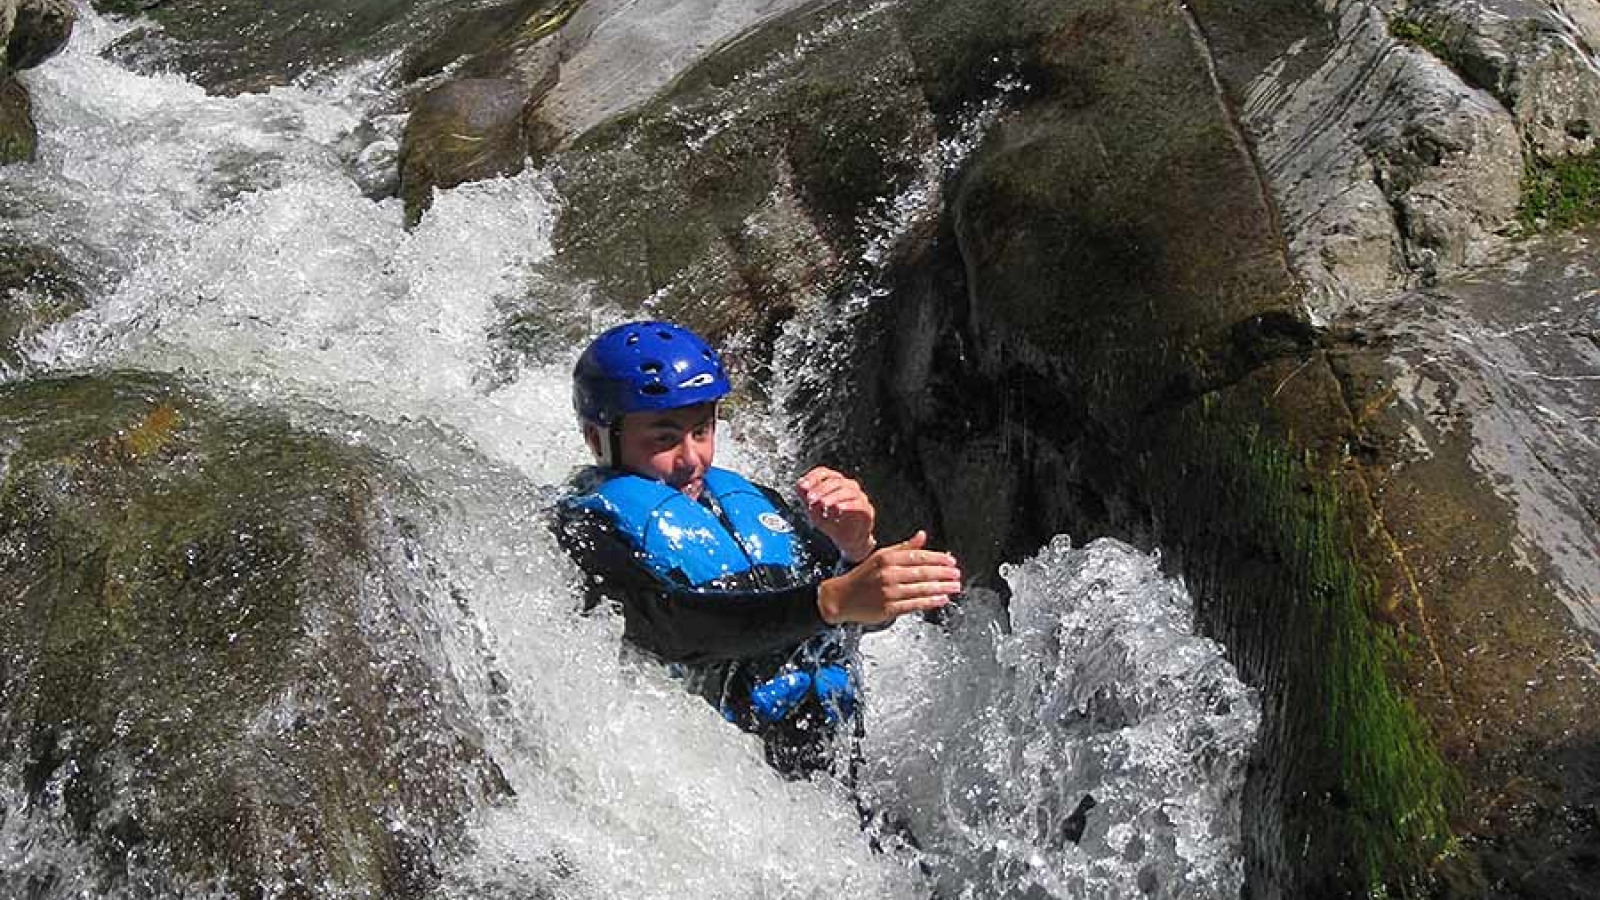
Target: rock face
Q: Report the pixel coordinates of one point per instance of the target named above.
(1531, 56)
(209, 675)
(464, 130)
(580, 62)
(30, 32)
(1478, 436)
(236, 48)
(1386, 168)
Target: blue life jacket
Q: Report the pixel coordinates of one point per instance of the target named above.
(671, 531)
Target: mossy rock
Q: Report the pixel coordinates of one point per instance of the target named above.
(1103, 337)
(37, 289)
(18, 137)
(40, 29)
(210, 674)
(464, 130)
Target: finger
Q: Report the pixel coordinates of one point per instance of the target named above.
(835, 491)
(899, 557)
(920, 574)
(856, 506)
(816, 476)
(915, 542)
(899, 592)
(922, 604)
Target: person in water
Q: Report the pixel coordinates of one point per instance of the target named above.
(754, 605)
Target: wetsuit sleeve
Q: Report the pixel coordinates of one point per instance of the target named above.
(674, 621)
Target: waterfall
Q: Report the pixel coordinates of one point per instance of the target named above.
(1083, 742)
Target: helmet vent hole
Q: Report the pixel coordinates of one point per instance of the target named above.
(665, 335)
(653, 389)
(650, 367)
(632, 339)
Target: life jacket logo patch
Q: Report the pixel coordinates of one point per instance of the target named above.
(775, 522)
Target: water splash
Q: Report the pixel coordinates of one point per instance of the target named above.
(1093, 748)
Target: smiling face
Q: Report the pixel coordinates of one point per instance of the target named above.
(675, 445)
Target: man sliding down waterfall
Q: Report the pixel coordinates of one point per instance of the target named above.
(755, 607)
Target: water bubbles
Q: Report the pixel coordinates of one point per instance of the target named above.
(1096, 750)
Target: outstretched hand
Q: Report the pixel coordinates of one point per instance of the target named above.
(891, 582)
(840, 509)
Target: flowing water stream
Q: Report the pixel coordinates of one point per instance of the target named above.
(1079, 741)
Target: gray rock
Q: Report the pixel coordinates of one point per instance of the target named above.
(18, 137)
(232, 48)
(1584, 16)
(1387, 169)
(30, 32)
(1536, 60)
(1508, 357)
(617, 54)
(37, 289)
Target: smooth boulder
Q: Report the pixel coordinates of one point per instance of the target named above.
(213, 673)
(463, 130)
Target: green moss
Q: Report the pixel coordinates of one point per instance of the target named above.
(1415, 34)
(1284, 582)
(1560, 194)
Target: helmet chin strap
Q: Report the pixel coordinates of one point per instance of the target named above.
(611, 445)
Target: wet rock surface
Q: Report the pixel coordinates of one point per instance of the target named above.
(464, 130)
(18, 139)
(1476, 425)
(36, 30)
(721, 199)
(578, 62)
(210, 674)
(246, 47)
(37, 289)
(618, 55)
(1506, 361)
(31, 31)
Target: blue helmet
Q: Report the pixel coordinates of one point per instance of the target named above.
(642, 366)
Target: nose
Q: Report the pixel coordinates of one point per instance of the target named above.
(690, 456)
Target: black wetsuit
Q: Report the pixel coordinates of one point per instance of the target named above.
(727, 637)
